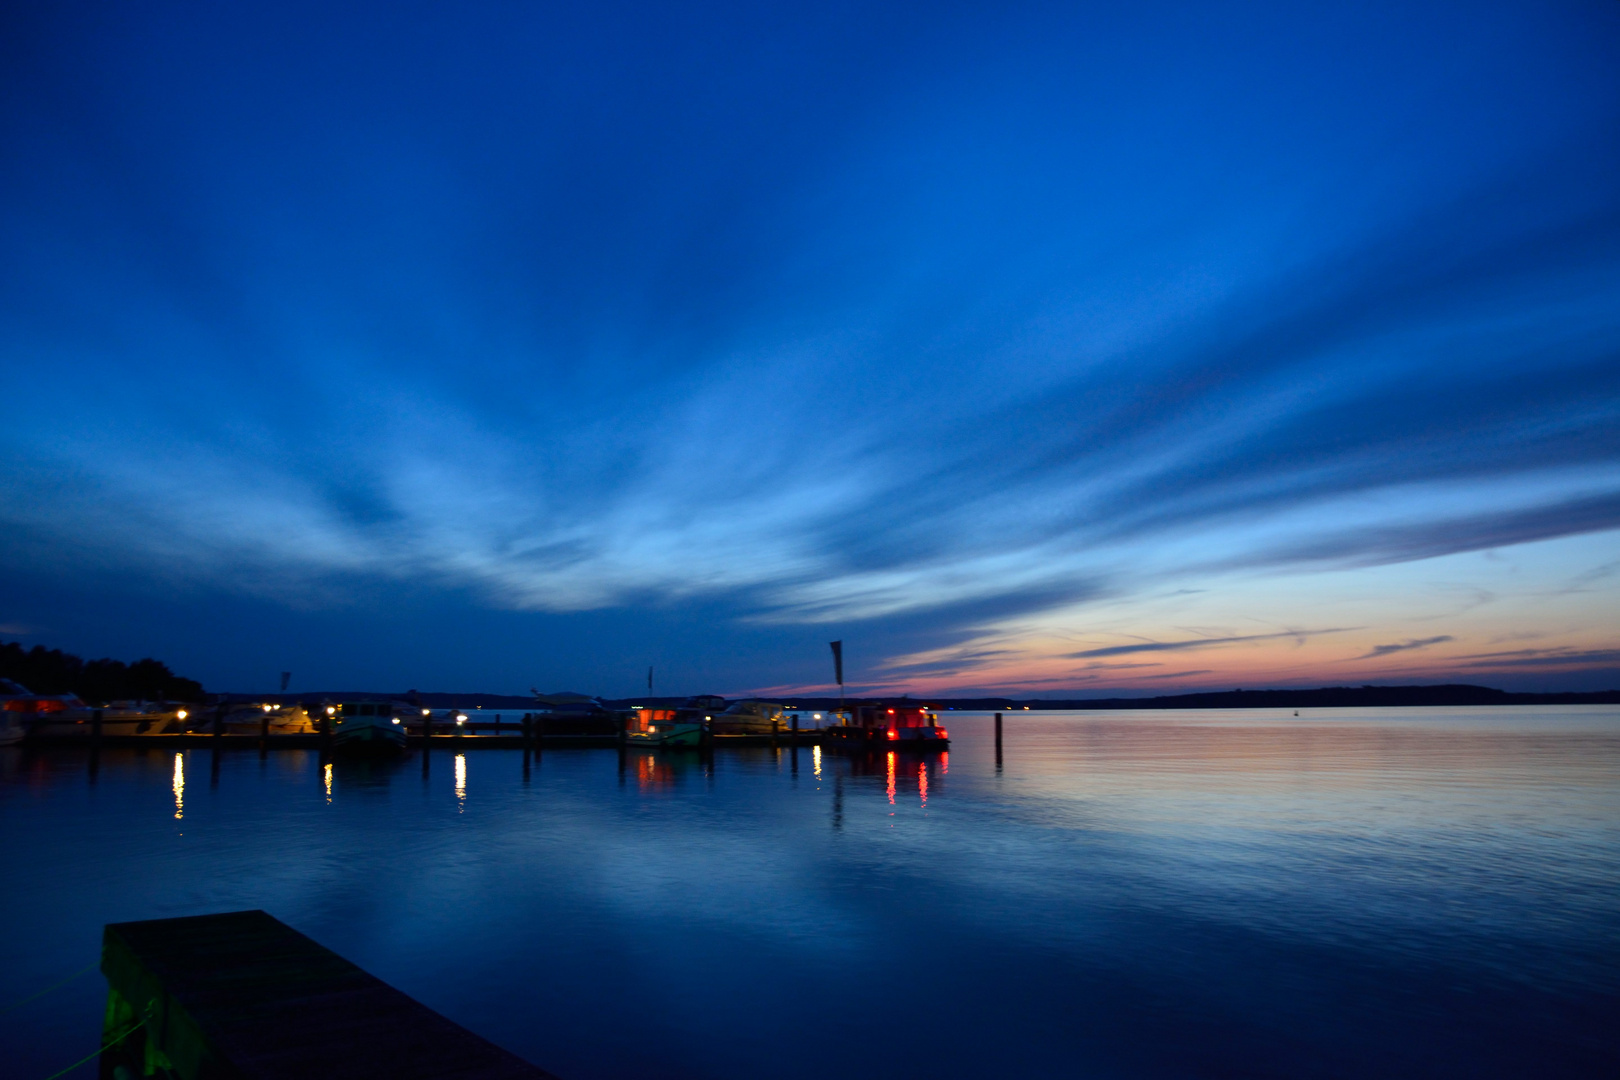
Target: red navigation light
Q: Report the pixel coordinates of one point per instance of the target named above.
(893, 734)
(943, 733)
(891, 712)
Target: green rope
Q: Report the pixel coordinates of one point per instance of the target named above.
(48, 989)
(116, 1039)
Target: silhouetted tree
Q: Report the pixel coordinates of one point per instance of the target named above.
(52, 671)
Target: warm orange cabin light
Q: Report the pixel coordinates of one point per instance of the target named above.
(943, 733)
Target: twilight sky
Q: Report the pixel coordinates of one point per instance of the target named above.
(1039, 348)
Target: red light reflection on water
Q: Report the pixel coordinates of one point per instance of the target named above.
(891, 777)
(653, 773)
(922, 782)
(944, 762)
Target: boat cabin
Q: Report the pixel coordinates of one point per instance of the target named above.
(375, 712)
(645, 720)
(894, 717)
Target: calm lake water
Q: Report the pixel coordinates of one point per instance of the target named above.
(1353, 893)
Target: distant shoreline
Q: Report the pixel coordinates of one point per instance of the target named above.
(1333, 697)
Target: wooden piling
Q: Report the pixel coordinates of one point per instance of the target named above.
(998, 740)
(95, 729)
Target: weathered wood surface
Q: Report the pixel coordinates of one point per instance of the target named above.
(244, 995)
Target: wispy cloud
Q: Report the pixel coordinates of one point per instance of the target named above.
(1197, 643)
(1411, 643)
(1547, 658)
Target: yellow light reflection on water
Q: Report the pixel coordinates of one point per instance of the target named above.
(815, 759)
(461, 782)
(327, 773)
(891, 777)
(179, 786)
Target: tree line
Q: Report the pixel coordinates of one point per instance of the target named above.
(52, 671)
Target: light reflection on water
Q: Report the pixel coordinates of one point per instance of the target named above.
(179, 786)
(1430, 893)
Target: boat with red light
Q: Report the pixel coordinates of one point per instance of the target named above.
(899, 725)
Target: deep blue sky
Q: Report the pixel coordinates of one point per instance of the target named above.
(1043, 347)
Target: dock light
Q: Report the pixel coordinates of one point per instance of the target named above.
(396, 719)
(816, 715)
(269, 708)
(427, 712)
(331, 710)
(461, 718)
(182, 714)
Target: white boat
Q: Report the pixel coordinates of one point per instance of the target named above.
(249, 719)
(366, 727)
(749, 718)
(66, 717)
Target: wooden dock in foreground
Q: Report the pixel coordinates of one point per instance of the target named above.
(243, 995)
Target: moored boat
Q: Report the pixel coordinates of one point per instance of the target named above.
(749, 718)
(903, 725)
(664, 727)
(66, 716)
(366, 727)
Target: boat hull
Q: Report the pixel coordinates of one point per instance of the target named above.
(914, 739)
(369, 739)
(677, 735)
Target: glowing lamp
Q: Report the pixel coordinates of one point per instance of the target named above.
(893, 734)
(396, 719)
(182, 714)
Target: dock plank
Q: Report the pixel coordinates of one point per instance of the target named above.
(243, 994)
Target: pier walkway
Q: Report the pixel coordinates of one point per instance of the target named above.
(243, 995)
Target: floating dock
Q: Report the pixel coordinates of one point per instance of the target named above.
(246, 997)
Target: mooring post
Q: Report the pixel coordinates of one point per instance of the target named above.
(219, 719)
(528, 733)
(264, 730)
(95, 729)
(326, 732)
(998, 740)
(795, 729)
